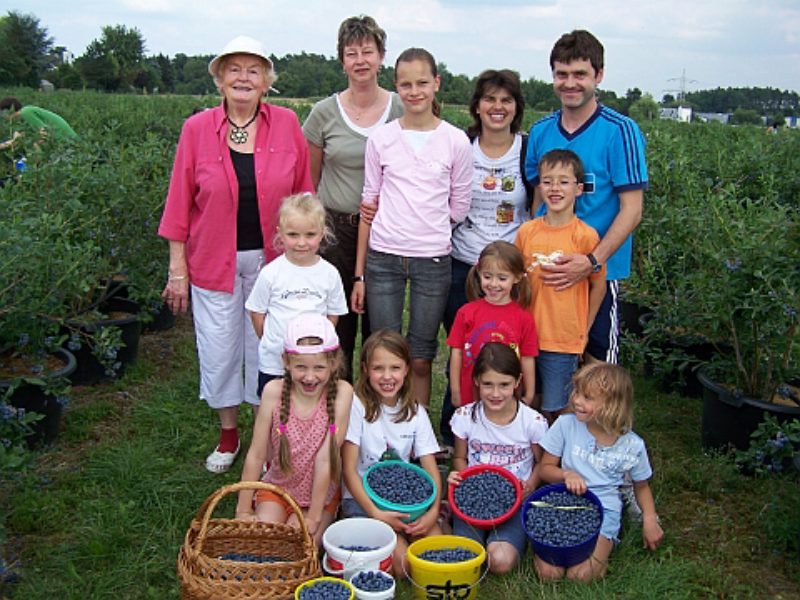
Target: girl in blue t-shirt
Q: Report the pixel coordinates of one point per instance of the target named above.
(594, 448)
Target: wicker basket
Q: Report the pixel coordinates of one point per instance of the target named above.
(204, 576)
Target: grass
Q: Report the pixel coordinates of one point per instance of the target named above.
(103, 513)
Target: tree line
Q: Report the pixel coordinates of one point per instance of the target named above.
(116, 62)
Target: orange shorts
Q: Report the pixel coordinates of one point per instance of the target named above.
(266, 496)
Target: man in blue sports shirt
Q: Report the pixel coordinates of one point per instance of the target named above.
(611, 147)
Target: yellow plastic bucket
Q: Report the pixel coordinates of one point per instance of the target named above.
(437, 581)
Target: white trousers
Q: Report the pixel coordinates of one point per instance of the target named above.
(227, 346)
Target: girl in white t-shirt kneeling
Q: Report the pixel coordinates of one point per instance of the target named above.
(386, 422)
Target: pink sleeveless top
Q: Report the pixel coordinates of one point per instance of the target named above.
(306, 437)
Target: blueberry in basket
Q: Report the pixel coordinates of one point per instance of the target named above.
(399, 485)
(485, 496)
(252, 558)
(563, 519)
(372, 581)
(447, 555)
(325, 590)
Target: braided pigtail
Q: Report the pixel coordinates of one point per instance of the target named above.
(330, 405)
(284, 452)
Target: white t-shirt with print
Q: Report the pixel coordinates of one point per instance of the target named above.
(506, 446)
(373, 439)
(283, 290)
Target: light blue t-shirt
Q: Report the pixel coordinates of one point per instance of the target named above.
(612, 149)
(602, 467)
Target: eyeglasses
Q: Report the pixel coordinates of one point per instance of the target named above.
(561, 183)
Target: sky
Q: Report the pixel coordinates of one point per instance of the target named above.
(659, 46)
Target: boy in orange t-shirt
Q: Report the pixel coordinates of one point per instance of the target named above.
(563, 316)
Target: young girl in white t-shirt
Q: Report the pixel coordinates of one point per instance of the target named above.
(386, 422)
(298, 281)
(498, 430)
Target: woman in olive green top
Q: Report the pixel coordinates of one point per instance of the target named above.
(336, 131)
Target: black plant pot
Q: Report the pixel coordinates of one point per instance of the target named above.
(729, 419)
(163, 319)
(683, 381)
(33, 399)
(89, 369)
(630, 315)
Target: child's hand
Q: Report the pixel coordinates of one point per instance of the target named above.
(312, 524)
(424, 524)
(392, 518)
(454, 478)
(652, 534)
(575, 483)
(246, 515)
(528, 486)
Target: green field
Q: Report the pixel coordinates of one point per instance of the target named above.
(103, 512)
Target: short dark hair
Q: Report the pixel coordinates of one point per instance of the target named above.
(355, 29)
(578, 45)
(489, 80)
(564, 157)
(9, 102)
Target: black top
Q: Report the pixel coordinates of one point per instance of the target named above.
(248, 225)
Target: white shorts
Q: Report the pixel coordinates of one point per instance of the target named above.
(227, 346)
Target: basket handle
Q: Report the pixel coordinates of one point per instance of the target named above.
(210, 503)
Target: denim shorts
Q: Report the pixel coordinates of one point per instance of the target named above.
(351, 508)
(554, 372)
(429, 278)
(511, 532)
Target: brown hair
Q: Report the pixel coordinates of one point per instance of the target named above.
(501, 358)
(490, 80)
(359, 29)
(284, 451)
(10, 103)
(508, 256)
(612, 385)
(412, 54)
(564, 157)
(579, 44)
(395, 344)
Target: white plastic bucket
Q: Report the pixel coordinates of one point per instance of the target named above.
(358, 531)
(365, 595)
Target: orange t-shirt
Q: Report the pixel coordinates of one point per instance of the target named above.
(561, 317)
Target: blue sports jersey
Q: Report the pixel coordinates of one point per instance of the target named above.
(611, 147)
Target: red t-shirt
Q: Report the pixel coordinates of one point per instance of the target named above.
(478, 323)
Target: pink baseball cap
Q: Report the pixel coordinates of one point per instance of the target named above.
(310, 325)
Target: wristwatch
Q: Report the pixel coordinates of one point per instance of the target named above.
(357, 278)
(596, 266)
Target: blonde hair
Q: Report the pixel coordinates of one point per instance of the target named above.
(507, 256)
(305, 205)
(334, 359)
(394, 344)
(612, 386)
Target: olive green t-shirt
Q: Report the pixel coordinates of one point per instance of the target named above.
(343, 145)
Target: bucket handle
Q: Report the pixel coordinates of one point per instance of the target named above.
(418, 586)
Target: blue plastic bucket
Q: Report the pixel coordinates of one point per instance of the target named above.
(561, 556)
(415, 511)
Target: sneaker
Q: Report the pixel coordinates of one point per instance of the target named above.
(220, 462)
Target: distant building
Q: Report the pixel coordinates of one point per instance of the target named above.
(46, 86)
(708, 117)
(680, 113)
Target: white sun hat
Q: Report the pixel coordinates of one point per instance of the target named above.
(241, 44)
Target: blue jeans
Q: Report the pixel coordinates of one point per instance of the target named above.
(386, 276)
(511, 531)
(554, 372)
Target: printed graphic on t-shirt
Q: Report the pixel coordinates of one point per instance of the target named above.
(486, 333)
(614, 459)
(301, 294)
(509, 456)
